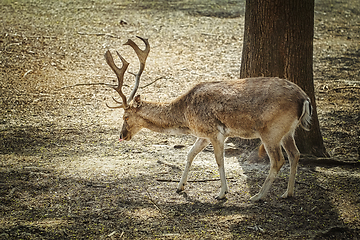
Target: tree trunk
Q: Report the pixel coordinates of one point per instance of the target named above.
(278, 42)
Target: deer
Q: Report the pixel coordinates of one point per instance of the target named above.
(268, 108)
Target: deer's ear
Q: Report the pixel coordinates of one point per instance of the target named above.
(137, 101)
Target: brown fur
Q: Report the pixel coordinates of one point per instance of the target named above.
(237, 108)
(262, 151)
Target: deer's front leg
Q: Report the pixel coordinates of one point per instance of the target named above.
(218, 145)
(199, 145)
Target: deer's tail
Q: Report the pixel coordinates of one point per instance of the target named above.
(306, 114)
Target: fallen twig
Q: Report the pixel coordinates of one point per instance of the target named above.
(157, 79)
(29, 71)
(201, 180)
(106, 84)
(87, 84)
(256, 228)
(306, 184)
(11, 44)
(324, 161)
(99, 34)
(343, 88)
(113, 233)
(169, 165)
(42, 37)
(151, 200)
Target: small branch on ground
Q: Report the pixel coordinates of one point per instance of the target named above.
(306, 184)
(105, 84)
(151, 200)
(201, 180)
(99, 34)
(157, 79)
(311, 160)
(169, 165)
(344, 88)
(29, 71)
(87, 84)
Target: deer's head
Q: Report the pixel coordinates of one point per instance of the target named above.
(132, 122)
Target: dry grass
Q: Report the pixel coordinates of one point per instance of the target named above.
(65, 176)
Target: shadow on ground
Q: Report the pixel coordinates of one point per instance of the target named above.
(40, 203)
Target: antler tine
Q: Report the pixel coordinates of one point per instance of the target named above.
(120, 106)
(120, 76)
(142, 55)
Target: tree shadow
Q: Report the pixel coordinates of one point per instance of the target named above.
(312, 212)
(217, 9)
(52, 140)
(42, 203)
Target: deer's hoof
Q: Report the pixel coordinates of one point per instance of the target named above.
(221, 196)
(255, 198)
(286, 195)
(179, 190)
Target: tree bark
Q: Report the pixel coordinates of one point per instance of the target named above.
(278, 42)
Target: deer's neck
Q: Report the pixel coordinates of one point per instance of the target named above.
(164, 117)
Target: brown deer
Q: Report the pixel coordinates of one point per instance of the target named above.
(266, 108)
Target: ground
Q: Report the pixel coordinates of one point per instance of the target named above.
(64, 175)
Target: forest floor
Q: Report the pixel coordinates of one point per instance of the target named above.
(64, 175)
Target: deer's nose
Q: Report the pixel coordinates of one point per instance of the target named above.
(121, 137)
(124, 136)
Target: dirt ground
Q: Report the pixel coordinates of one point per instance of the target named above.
(64, 175)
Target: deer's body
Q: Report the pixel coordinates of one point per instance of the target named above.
(266, 108)
(231, 108)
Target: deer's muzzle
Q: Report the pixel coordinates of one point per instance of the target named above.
(124, 135)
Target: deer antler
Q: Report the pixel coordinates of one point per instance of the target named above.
(142, 55)
(120, 76)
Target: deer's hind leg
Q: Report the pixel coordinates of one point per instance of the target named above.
(276, 162)
(293, 154)
(198, 146)
(218, 144)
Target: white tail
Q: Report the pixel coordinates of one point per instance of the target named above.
(266, 108)
(305, 118)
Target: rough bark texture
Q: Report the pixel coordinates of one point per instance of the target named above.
(278, 42)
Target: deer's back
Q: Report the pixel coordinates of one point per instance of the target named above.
(243, 105)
